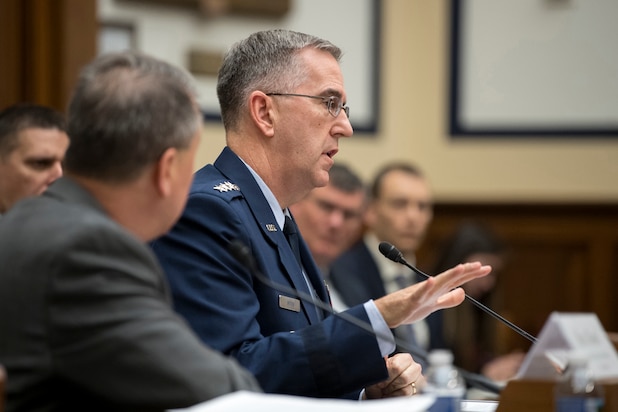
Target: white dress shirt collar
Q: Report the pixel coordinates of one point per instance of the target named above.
(270, 197)
(388, 269)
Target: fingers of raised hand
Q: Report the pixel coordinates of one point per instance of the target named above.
(461, 274)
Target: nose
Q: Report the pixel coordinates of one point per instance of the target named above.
(344, 126)
(56, 172)
(413, 211)
(336, 218)
(417, 216)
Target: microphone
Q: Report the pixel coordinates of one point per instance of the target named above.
(392, 253)
(243, 254)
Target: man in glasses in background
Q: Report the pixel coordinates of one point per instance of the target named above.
(283, 108)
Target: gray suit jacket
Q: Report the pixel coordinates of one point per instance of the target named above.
(85, 320)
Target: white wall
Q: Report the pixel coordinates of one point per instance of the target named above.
(413, 109)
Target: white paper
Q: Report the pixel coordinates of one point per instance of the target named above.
(244, 401)
(562, 333)
(478, 406)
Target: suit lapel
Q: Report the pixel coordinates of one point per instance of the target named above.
(313, 273)
(230, 165)
(373, 280)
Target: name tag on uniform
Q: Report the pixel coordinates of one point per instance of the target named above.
(288, 303)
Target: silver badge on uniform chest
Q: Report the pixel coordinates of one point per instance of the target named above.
(226, 187)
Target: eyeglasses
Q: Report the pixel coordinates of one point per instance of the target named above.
(333, 103)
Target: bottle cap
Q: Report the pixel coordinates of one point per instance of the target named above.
(577, 358)
(440, 357)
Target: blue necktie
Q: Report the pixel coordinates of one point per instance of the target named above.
(290, 230)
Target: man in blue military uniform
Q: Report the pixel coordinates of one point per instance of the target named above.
(284, 109)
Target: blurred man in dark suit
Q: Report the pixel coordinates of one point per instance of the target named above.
(399, 211)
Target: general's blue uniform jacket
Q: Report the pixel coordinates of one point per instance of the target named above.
(287, 346)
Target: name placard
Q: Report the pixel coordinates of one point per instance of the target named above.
(565, 332)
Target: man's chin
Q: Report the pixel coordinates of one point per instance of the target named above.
(322, 179)
(409, 248)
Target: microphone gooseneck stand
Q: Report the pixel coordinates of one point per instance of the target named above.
(243, 254)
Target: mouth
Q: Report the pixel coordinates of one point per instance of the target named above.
(331, 153)
(410, 237)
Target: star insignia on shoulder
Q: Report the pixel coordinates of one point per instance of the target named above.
(226, 187)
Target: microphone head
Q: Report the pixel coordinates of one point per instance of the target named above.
(390, 251)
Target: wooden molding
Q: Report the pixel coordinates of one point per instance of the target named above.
(215, 8)
(203, 62)
(561, 257)
(45, 44)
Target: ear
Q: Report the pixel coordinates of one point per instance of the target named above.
(164, 171)
(262, 112)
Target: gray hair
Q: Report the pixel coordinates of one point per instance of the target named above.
(266, 61)
(126, 110)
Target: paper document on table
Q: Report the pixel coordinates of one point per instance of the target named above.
(478, 406)
(565, 332)
(244, 401)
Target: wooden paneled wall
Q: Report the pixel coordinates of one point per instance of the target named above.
(560, 258)
(43, 45)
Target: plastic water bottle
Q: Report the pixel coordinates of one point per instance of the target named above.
(576, 392)
(444, 382)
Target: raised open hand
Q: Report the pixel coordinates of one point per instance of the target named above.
(419, 300)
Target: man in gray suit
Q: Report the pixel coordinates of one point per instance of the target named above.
(85, 321)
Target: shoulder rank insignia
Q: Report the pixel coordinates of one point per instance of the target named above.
(226, 187)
